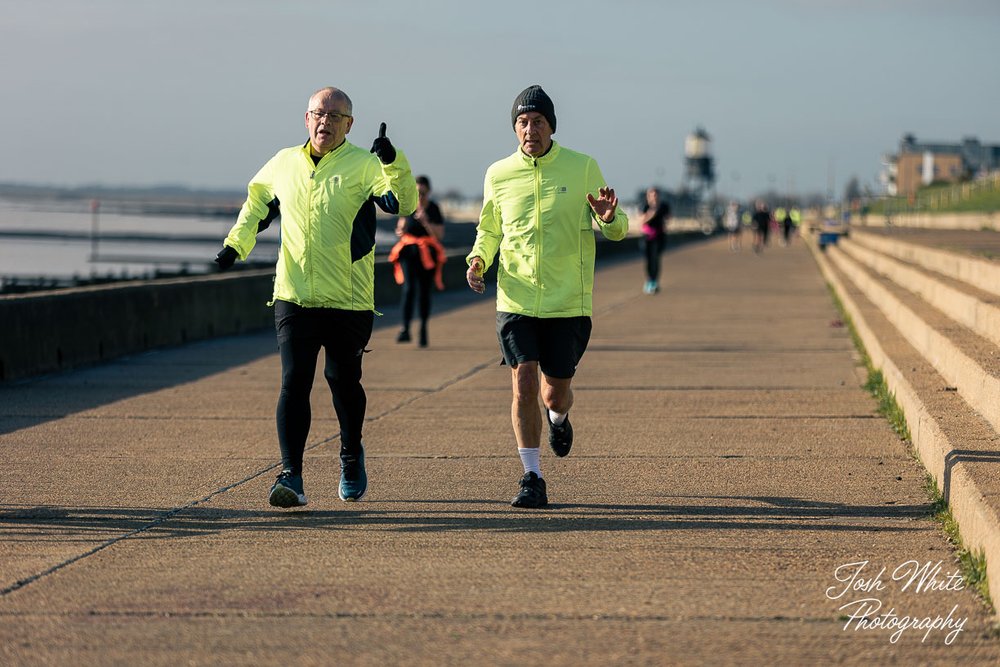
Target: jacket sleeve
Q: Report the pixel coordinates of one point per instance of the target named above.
(256, 213)
(397, 193)
(617, 228)
(488, 232)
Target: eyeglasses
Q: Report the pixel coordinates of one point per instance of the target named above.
(331, 116)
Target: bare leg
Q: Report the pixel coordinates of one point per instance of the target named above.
(557, 395)
(524, 413)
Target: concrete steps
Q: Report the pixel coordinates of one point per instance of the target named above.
(930, 320)
(977, 272)
(965, 359)
(965, 302)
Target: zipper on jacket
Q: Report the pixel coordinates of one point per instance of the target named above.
(538, 230)
(311, 273)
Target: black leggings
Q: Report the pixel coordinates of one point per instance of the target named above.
(651, 248)
(417, 281)
(301, 334)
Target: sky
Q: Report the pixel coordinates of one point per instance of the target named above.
(796, 95)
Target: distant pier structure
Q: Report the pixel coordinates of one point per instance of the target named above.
(699, 177)
(699, 165)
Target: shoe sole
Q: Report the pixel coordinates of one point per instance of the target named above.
(285, 498)
(348, 499)
(530, 507)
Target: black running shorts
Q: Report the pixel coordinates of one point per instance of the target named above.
(556, 343)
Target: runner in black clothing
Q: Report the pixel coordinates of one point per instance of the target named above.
(761, 221)
(423, 227)
(655, 214)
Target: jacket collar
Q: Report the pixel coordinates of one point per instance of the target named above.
(543, 160)
(336, 151)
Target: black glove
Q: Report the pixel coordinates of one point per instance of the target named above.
(383, 148)
(226, 257)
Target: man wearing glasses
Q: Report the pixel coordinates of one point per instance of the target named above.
(539, 208)
(327, 190)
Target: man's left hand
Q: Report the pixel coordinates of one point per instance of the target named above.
(383, 148)
(605, 205)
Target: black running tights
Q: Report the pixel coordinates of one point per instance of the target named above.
(343, 374)
(417, 282)
(652, 248)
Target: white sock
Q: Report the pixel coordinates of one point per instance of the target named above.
(529, 458)
(557, 418)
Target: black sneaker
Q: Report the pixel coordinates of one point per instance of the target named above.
(560, 437)
(353, 476)
(423, 337)
(403, 336)
(287, 491)
(532, 493)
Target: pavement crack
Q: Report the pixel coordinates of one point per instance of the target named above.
(425, 393)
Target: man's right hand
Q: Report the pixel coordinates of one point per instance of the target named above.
(226, 257)
(474, 276)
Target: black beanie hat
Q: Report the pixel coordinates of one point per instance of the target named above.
(533, 98)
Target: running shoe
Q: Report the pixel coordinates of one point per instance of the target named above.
(532, 493)
(353, 477)
(287, 491)
(560, 437)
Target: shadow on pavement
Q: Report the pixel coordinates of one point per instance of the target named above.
(957, 456)
(24, 523)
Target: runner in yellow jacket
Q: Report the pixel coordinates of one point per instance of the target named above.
(327, 254)
(539, 210)
(326, 192)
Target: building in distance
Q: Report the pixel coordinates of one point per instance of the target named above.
(920, 163)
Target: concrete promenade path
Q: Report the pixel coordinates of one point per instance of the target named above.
(732, 497)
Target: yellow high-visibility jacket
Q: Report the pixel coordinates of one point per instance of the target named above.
(535, 212)
(327, 254)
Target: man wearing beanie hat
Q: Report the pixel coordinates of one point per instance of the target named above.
(539, 208)
(533, 98)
